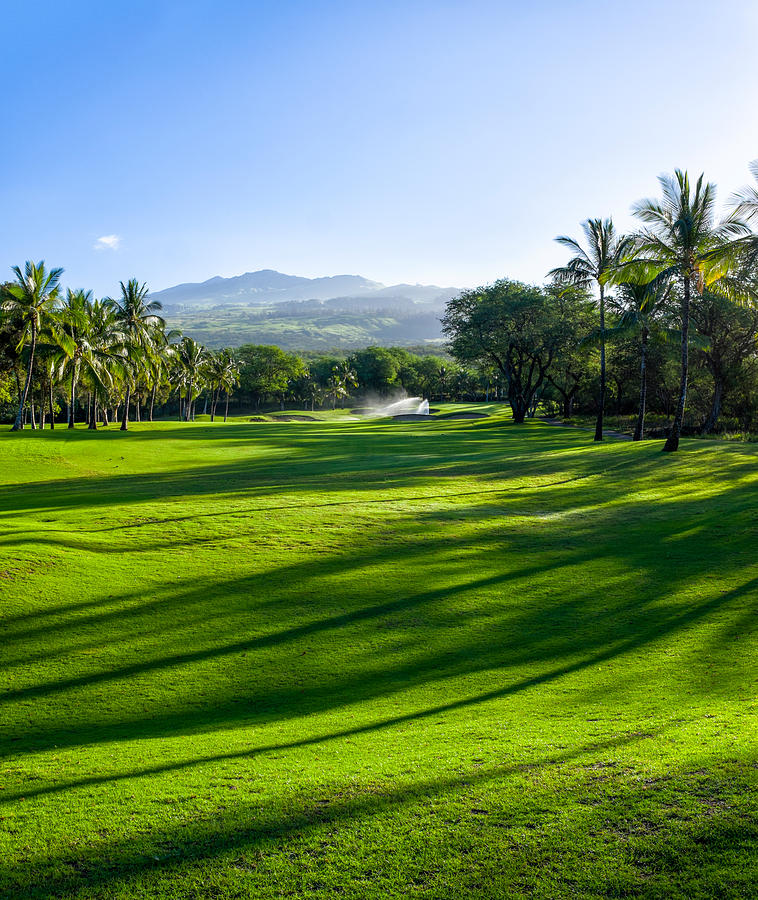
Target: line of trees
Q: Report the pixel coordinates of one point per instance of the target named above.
(119, 352)
(685, 270)
(663, 321)
(72, 357)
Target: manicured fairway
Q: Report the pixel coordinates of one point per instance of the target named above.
(377, 660)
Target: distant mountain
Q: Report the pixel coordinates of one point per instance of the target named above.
(267, 287)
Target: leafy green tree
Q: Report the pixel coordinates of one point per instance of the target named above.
(428, 375)
(375, 368)
(729, 331)
(572, 368)
(266, 371)
(513, 326)
(588, 268)
(30, 300)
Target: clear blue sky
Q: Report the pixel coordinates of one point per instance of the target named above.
(436, 142)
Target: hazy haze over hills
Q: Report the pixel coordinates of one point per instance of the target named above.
(338, 312)
(267, 286)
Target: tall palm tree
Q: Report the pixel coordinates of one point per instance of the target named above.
(76, 327)
(745, 206)
(193, 359)
(640, 305)
(137, 316)
(90, 341)
(588, 268)
(30, 299)
(683, 240)
(218, 369)
(230, 378)
(103, 359)
(746, 200)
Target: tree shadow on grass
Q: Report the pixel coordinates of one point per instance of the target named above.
(422, 636)
(710, 841)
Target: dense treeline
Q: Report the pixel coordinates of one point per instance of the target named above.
(621, 300)
(662, 322)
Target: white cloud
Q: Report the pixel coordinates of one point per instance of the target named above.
(107, 242)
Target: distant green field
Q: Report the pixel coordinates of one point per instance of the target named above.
(367, 659)
(234, 326)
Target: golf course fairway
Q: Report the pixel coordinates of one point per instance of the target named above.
(371, 659)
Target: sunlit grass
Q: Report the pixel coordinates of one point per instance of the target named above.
(370, 659)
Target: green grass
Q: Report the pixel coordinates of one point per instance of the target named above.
(376, 660)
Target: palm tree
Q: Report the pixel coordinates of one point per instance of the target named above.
(91, 342)
(746, 199)
(219, 369)
(231, 378)
(683, 240)
(103, 359)
(588, 269)
(30, 299)
(76, 327)
(640, 305)
(192, 357)
(340, 381)
(745, 203)
(137, 316)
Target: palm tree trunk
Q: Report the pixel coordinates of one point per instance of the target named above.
(639, 428)
(19, 424)
(672, 442)
(214, 401)
(152, 401)
(32, 419)
(72, 400)
(601, 405)
(52, 403)
(188, 403)
(93, 414)
(226, 409)
(715, 412)
(105, 416)
(125, 416)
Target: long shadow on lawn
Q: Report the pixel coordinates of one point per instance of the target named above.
(329, 462)
(724, 833)
(570, 632)
(471, 577)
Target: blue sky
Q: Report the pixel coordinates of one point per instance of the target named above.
(435, 142)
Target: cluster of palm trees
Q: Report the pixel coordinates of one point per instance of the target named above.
(118, 348)
(681, 247)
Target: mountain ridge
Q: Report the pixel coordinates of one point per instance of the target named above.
(268, 286)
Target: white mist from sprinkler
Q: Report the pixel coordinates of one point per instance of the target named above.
(408, 406)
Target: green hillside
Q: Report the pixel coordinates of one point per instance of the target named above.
(376, 660)
(234, 326)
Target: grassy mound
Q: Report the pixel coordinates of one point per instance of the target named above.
(367, 659)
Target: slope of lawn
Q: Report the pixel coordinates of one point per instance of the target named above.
(371, 659)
